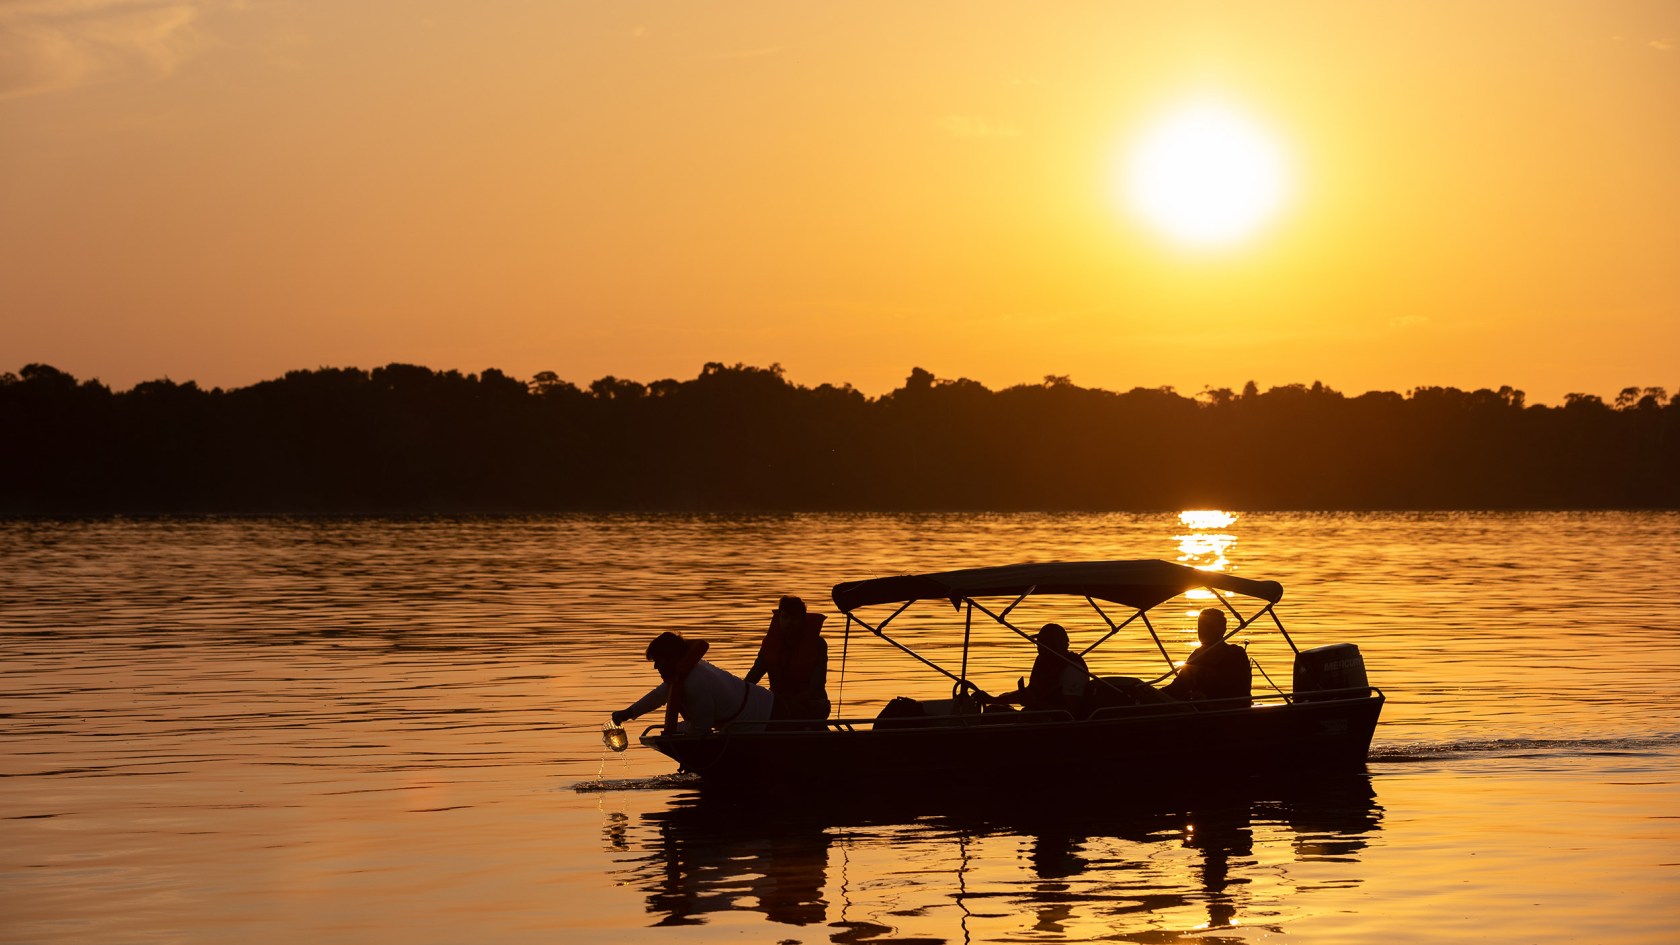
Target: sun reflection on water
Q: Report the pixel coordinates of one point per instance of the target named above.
(1207, 545)
(1206, 518)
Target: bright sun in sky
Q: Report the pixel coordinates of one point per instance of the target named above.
(1206, 176)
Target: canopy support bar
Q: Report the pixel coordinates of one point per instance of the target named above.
(1113, 627)
(1171, 669)
(1024, 595)
(1279, 621)
(845, 646)
(968, 630)
(1018, 632)
(880, 631)
(880, 628)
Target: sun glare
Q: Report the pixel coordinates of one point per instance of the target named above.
(1206, 518)
(1206, 176)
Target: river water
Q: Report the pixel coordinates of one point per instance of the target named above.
(350, 730)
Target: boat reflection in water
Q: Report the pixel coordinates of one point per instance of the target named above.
(979, 865)
(704, 857)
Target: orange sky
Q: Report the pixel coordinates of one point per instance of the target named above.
(222, 190)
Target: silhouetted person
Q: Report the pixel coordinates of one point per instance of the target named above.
(1217, 669)
(1058, 675)
(795, 655)
(705, 696)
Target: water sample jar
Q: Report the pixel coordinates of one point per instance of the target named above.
(613, 737)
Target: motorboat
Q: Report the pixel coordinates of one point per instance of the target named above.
(1125, 728)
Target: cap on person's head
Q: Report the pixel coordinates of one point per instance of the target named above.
(1211, 618)
(1051, 634)
(792, 605)
(666, 646)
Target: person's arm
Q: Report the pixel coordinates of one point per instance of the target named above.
(761, 663)
(1010, 698)
(1183, 683)
(654, 699)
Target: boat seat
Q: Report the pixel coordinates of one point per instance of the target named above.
(905, 712)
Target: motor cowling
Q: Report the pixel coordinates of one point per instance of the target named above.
(1330, 667)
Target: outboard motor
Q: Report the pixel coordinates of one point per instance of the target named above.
(1324, 668)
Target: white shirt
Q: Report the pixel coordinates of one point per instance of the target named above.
(711, 696)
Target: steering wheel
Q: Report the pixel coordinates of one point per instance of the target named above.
(965, 689)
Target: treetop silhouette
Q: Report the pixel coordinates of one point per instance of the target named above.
(405, 439)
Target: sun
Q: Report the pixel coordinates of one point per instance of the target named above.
(1206, 176)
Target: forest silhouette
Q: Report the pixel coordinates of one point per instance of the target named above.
(404, 439)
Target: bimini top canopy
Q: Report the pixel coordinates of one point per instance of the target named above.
(1136, 584)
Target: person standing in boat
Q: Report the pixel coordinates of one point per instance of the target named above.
(1216, 669)
(795, 656)
(1058, 675)
(704, 696)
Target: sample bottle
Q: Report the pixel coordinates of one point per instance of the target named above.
(613, 737)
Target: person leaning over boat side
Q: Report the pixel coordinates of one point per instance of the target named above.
(1216, 669)
(796, 657)
(705, 696)
(1058, 675)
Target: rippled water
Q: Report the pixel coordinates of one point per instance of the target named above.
(350, 730)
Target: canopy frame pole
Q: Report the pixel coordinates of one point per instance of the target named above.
(999, 618)
(879, 630)
(1018, 631)
(1098, 608)
(922, 659)
(1113, 627)
(1112, 630)
(968, 628)
(1270, 609)
(1171, 669)
(1242, 624)
(845, 647)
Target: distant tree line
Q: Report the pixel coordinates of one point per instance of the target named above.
(407, 439)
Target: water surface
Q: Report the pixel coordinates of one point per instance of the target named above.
(275, 730)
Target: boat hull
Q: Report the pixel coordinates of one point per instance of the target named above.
(1147, 742)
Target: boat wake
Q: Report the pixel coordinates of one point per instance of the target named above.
(1523, 748)
(663, 782)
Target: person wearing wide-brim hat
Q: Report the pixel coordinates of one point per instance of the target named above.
(702, 695)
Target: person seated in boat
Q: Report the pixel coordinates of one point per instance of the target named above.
(1058, 675)
(1216, 669)
(704, 696)
(795, 656)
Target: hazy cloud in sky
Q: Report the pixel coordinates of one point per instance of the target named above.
(49, 45)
